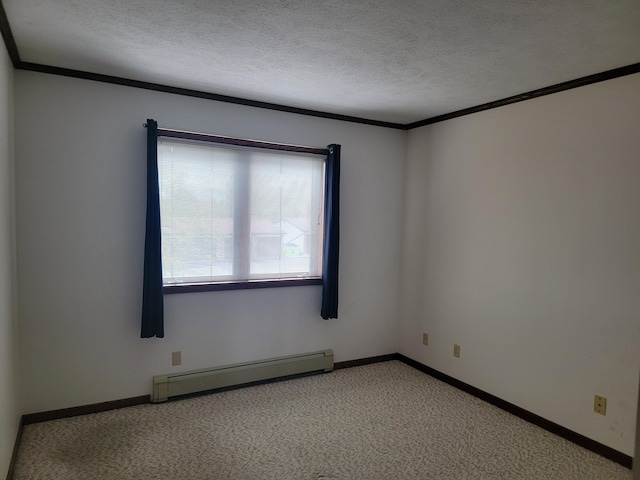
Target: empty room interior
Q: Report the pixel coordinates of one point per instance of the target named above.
(489, 200)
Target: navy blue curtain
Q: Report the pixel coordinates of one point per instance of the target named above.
(331, 235)
(152, 301)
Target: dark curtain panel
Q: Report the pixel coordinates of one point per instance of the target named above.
(331, 235)
(152, 301)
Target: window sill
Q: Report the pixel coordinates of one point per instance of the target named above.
(216, 287)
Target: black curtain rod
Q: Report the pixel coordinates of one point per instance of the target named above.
(206, 137)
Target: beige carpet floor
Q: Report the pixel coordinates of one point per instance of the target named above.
(382, 421)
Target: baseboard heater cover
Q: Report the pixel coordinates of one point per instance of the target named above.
(173, 385)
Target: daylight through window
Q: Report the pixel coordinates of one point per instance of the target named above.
(239, 214)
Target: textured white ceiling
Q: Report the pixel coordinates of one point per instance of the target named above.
(397, 61)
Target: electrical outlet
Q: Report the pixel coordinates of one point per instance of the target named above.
(176, 358)
(425, 338)
(456, 350)
(600, 405)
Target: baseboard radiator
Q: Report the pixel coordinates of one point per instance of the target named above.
(174, 385)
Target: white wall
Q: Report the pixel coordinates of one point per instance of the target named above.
(9, 388)
(80, 150)
(523, 246)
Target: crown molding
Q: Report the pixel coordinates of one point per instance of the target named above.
(18, 64)
(7, 35)
(559, 87)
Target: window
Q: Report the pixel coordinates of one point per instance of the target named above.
(230, 217)
(234, 214)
